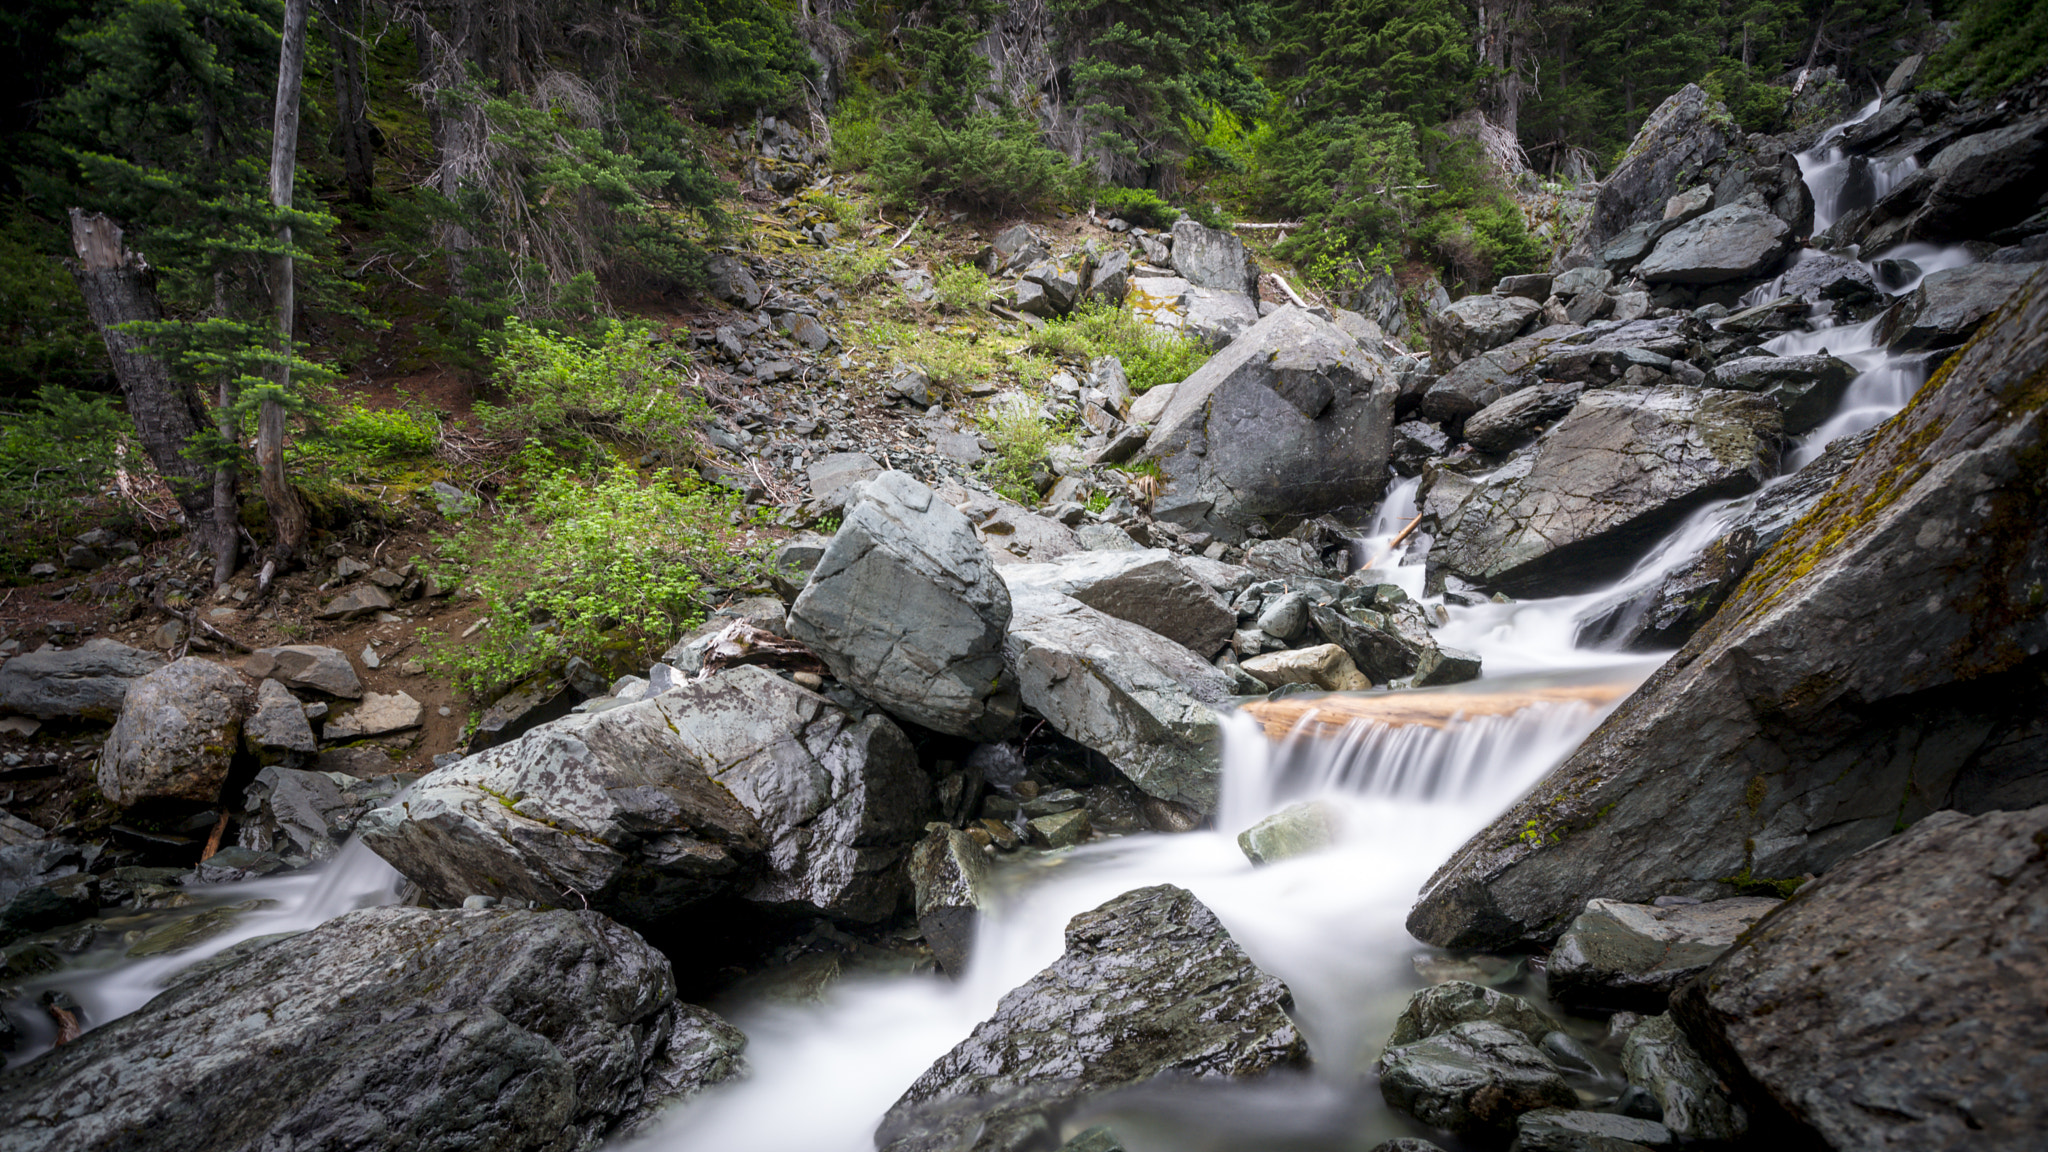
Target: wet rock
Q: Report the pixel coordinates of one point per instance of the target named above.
(1570, 1130)
(1477, 324)
(530, 704)
(1416, 443)
(1292, 418)
(1515, 419)
(1150, 985)
(1821, 276)
(1149, 587)
(1878, 664)
(1438, 666)
(702, 1050)
(1208, 258)
(385, 1029)
(176, 736)
(1603, 353)
(306, 813)
(62, 901)
(1659, 1059)
(1455, 1002)
(1603, 484)
(906, 607)
(1061, 829)
(88, 682)
(738, 784)
(185, 934)
(1892, 1003)
(358, 601)
(1483, 379)
(1807, 388)
(1982, 183)
(1327, 666)
(1950, 305)
(278, 723)
(1472, 1079)
(1141, 700)
(1296, 830)
(950, 877)
(1732, 243)
(378, 715)
(1634, 956)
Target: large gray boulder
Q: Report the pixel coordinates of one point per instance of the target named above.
(1981, 183)
(1948, 306)
(1477, 324)
(1807, 388)
(1216, 316)
(1633, 956)
(1882, 662)
(176, 736)
(1694, 1101)
(1515, 419)
(295, 812)
(739, 784)
(1896, 1002)
(1151, 985)
(1292, 419)
(1208, 258)
(88, 682)
(1485, 378)
(313, 666)
(278, 724)
(1473, 1079)
(385, 1030)
(1141, 700)
(950, 878)
(907, 608)
(1605, 483)
(1736, 242)
(1443, 1007)
(1149, 587)
(1675, 147)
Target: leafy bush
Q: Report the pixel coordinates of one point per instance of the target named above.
(1150, 356)
(386, 433)
(856, 267)
(58, 446)
(962, 287)
(992, 163)
(45, 335)
(1998, 44)
(559, 389)
(1022, 437)
(611, 568)
(1139, 206)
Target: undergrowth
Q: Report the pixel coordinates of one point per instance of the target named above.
(1150, 356)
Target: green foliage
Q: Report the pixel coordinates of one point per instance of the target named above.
(45, 335)
(728, 55)
(857, 267)
(1149, 355)
(383, 434)
(963, 287)
(1139, 206)
(627, 388)
(1756, 107)
(611, 568)
(1411, 58)
(56, 447)
(1022, 436)
(992, 162)
(1098, 502)
(1999, 43)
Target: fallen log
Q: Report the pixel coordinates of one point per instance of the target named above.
(1323, 716)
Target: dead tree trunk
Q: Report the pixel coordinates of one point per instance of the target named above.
(343, 20)
(119, 290)
(287, 514)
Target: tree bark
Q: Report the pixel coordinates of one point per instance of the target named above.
(287, 514)
(343, 20)
(119, 290)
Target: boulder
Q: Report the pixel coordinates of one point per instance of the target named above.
(1292, 418)
(1603, 353)
(1150, 985)
(1816, 276)
(1736, 242)
(1982, 183)
(1571, 1130)
(1534, 286)
(278, 723)
(65, 900)
(1949, 305)
(1880, 663)
(1807, 388)
(359, 601)
(1633, 956)
(1110, 279)
(1216, 316)
(730, 281)
(87, 682)
(1472, 1079)
(378, 715)
(1416, 443)
(837, 477)
(951, 882)
(1463, 390)
(1477, 324)
(306, 666)
(1326, 666)
(383, 1030)
(1515, 419)
(1296, 830)
(741, 783)
(1150, 587)
(906, 608)
(1660, 1060)
(1208, 258)
(1895, 1002)
(1454, 1002)
(1673, 149)
(527, 706)
(1142, 701)
(307, 814)
(176, 736)
(1604, 484)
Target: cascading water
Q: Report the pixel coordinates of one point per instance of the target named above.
(1329, 924)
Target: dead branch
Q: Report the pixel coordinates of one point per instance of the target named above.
(743, 643)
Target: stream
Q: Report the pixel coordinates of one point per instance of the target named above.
(1330, 925)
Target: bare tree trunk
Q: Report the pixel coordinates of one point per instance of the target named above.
(343, 20)
(287, 514)
(119, 289)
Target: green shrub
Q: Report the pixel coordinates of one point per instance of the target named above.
(386, 433)
(45, 335)
(963, 287)
(1150, 356)
(611, 568)
(857, 267)
(992, 163)
(56, 448)
(1022, 437)
(1139, 206)
(558, 389)
(1998, 43)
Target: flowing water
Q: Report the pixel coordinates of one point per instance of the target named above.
(1330, 924)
